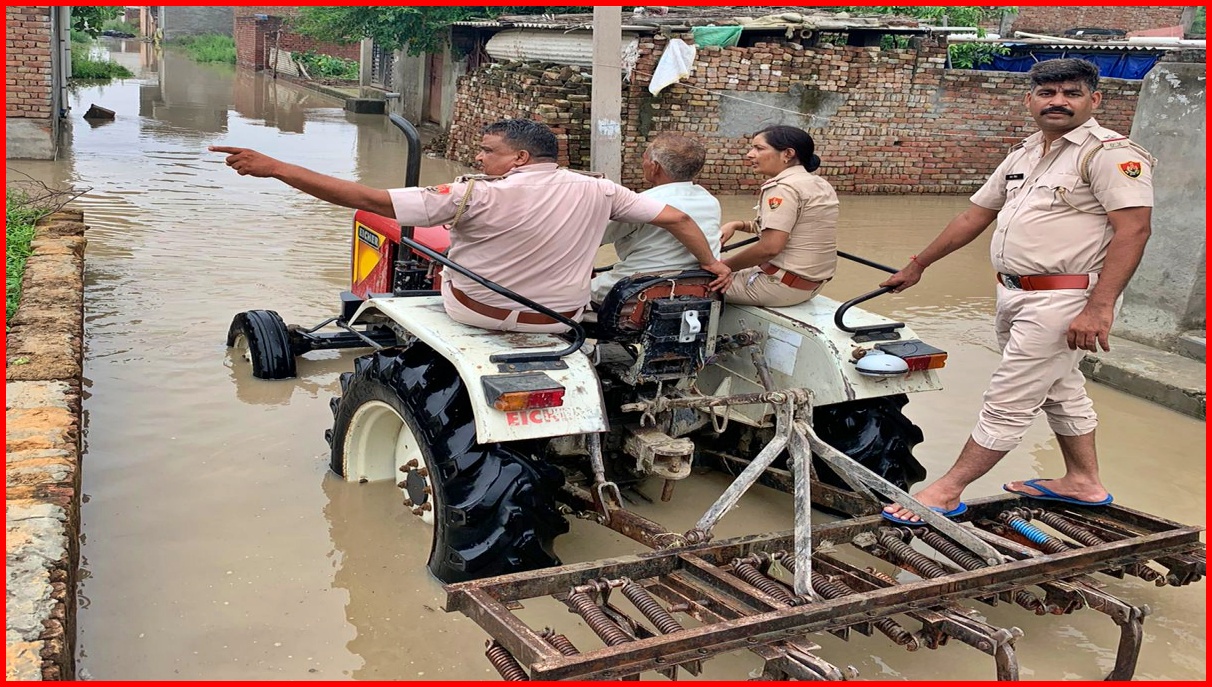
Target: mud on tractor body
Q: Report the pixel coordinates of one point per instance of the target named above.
(495, 438)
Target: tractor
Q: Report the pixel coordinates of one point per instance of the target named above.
(496, 438)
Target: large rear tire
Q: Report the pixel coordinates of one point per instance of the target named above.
(492, 507)
(261, 337)
(874, 432)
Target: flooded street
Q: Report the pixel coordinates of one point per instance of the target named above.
(217, 544)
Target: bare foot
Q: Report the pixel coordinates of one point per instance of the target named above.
(1075, 490)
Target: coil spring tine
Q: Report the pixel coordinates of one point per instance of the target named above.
(560, 642)
(833, 589)
(597, 620)
(753, 576)
(664, 621)
(905, 555)
(1046, 542)
(1088, 538)
(505, 663)
(881, 575)
(949, 549)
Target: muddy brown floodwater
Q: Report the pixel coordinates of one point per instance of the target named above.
(217, 543)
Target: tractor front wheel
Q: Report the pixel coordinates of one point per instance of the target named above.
(262, 338)
(405, 415)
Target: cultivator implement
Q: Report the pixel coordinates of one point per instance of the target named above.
(670, 611)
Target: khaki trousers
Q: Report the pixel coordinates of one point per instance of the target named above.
(1038, 372)
(752, 286)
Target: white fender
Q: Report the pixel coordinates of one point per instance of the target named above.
(805, 349)
(469, 349)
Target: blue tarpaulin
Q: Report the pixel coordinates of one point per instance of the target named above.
(1110, 65)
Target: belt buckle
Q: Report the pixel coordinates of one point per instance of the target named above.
(1010, 281)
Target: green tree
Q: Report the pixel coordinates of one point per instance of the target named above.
(91, 18)
(419, 29)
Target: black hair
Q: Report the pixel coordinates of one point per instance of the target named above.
(682, 157)
(526, 134)
(1065, 69)
(782, 137)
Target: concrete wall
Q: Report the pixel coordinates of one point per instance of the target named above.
(42, 441)
(885, 121)
(31, 83)
(1167, 295)
(177, 21)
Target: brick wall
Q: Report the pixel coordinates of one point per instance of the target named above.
(255, 36)
(27, 69)
(1055, 20)
(557, 96)
(886, 121)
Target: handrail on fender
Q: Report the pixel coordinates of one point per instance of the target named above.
(412, 175)
(839, 316)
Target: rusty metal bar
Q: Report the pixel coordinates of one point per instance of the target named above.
(781, 624)
(784, 413)
(530, 584)
(823, 495)
(844, 465)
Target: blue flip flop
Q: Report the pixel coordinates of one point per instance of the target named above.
(1046, 494)
(958, 510)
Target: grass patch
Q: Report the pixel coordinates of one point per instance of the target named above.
(20, 214)
(207, 48)
(328, 66)
(85, 67)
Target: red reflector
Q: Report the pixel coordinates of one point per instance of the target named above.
(926, 362)
(528, 400)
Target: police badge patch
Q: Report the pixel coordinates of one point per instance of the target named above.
(440, 188)
(1131, 169)
(775, 202)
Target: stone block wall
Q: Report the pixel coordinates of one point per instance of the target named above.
(1055, 20)
(885, 121)
(254, 37)
(27, 65)
(43, 366)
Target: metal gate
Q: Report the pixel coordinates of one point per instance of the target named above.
(382, 63)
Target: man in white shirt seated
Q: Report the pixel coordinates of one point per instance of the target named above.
(671, 163)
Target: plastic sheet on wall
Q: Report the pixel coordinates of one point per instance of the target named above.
(1112, 65)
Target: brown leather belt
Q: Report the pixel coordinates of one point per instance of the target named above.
(791, 279)
(502, 313)
(1043, 282)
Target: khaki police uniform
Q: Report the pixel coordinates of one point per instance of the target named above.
(1052, 220)
(535, 230)
(805, 206)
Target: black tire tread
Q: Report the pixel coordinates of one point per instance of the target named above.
(497, 504)
(874, 432)
(269, 346)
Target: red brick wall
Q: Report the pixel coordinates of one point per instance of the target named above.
(557, 96)
(27, 69)
(1054, 20)
(254, 37)
(905, 124)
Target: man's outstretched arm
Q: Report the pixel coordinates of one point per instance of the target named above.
(331, 189)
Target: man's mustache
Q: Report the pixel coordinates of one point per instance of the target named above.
(1057, 110)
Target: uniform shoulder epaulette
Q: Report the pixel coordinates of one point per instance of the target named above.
(1109, 140)
(476, 177)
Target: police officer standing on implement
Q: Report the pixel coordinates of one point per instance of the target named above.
(1072, 205)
